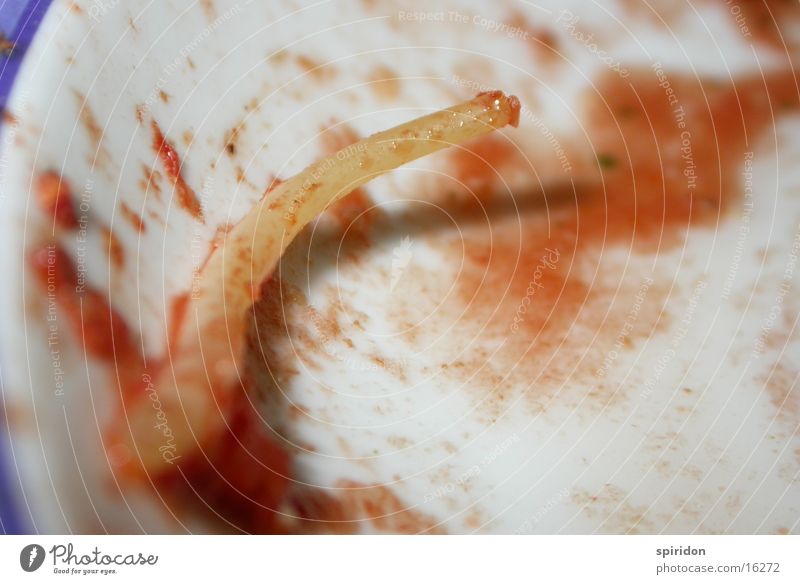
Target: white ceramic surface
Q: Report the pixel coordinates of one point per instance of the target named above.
(683, 430)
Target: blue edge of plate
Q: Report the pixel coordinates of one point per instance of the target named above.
(19, 20)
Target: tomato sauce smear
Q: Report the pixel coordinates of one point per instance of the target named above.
(53, 195)
(187, 198)
(240, 478)
(661, 163)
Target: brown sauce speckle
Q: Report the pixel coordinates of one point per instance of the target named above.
(132, 217)
(316, 70)
(116, 252)
(384, 83)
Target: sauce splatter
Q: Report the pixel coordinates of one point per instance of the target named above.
(187, 198)
(529, 283)
(384, 83)
(478, 164)
(317, 71)
(132, 218)
(768, 22)
(102, 329)
(116, 252)
(354, 506)
(54, 198)
(241, 477)
(541, 41)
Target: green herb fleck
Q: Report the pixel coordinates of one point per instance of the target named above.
(606, 161)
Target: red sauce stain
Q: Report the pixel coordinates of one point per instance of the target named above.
(317, 71)
(354, 506)
(355, 214)
(209, 9)
(101, 329)
(497, 100)
(89, 120)
(542, 43)
(116, 253)
(220, 235)
(231, 138)
(384, 83)
(150, 182)
(94, 130)
(6, 46)
(8, 118)
(54, 198)
(241, 477)
(661, 168)
(480, 163)
(768, 22)
(177, 314)
(273, 184)
(187, 198)
(337, 136)
(132, 218)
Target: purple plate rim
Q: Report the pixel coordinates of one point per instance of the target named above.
(19, 22)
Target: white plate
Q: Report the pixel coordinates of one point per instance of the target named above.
(647, 385)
